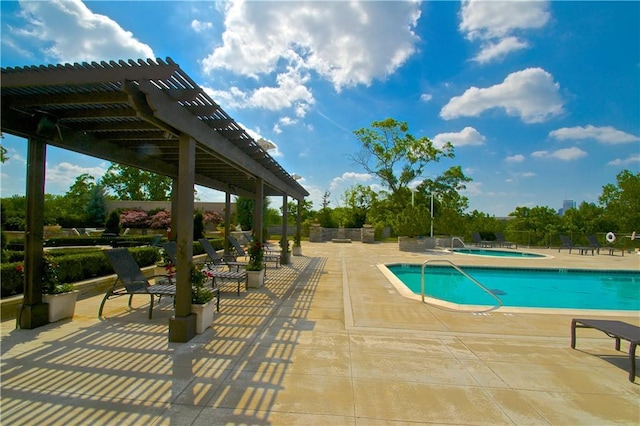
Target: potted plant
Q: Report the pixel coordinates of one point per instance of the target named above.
(297, 248)
(60, 297)
(285, 251)
(202, 303)
(255, 266)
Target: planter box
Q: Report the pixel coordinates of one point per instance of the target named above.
(297, 251)
(61, 306)
(255, 279)
(204, 315)
(285, 258)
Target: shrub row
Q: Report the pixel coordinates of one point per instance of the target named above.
(18, 244)
(78, 266)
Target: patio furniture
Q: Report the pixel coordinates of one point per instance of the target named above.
(131, 280)
(267, 257)
(170, 248)
(568, 244)
(215, 260)
(479, 242)
(615, 329)
(593, 242)
(500, 241)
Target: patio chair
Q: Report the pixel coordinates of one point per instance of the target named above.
(479, 242)
(268, 257)
(215, 260)
(131, 280)
(170, 249)
(500, 241)
(615, 329)
(593, 242)
(568, 244)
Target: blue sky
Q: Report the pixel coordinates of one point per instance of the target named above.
(540, 99)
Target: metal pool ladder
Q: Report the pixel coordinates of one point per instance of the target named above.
(457, 268)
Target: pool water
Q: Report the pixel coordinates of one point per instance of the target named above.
(497, 253)
(527, 287)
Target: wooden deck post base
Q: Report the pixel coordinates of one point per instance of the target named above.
(182, 329)
(32, 316)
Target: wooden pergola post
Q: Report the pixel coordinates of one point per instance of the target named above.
(33, 312)
(182, 326)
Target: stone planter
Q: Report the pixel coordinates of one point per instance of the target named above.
(255, 279)
(204, 315)
(61, 306)
(297, 251)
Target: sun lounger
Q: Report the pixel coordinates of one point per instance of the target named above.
(500, 241)
(615, 329)
(593, 242)
(568, 244)
(267, 257)
(130, 280)
(479, 242)
(170, 249)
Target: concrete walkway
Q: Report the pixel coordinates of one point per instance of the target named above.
(328, 340)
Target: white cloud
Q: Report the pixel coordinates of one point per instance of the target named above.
(465, 137)
(472, 188)
(518, 158)
(199, 26)
(349, 177)
(71, 32)
(530, 94)
(498, 50)
(566, 154)
(426, 97)
(606, 135)
(344, 43)
(493, 23)
(62, 175)
(629, 161)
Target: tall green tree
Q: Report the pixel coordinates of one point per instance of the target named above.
(96, 209)
(79, 194)
(621, 202)
(541, 225)
(130, 183)
(358, 200)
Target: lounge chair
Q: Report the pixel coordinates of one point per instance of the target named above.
(593, 242)
(215, 260)
(170, 249)
(568, 244)
(479, 242)
(615, 329)
(131, 280)
(500, 241)
(268, 257)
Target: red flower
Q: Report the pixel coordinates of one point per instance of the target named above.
(20, 267)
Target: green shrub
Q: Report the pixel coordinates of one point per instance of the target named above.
(72, 268)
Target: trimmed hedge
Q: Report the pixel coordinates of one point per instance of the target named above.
(72, 268)
(81, 264)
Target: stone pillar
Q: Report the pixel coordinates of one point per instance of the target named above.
(367, 234)
(315, 233)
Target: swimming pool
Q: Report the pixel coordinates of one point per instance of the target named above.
(527, 287)
(497, 253)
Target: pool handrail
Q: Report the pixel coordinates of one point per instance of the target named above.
(461, 242)
(457, 268)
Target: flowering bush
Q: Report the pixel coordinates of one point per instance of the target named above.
(134, 218)
(256, 255)
(50, 282)
(200, 294)
(160, 220)
(213, 218)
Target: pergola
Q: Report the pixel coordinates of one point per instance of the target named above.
(145, 114)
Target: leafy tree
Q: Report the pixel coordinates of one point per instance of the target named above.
(358, 200)
(130, 183)
(134, 218)
(244, 213)
(3, 154)
(621, 201)
(541, 223)
(78, 196)
(305, 212)
(324, 215)
(160, 220)
(387, 146)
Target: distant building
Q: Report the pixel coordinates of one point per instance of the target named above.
(566, 205)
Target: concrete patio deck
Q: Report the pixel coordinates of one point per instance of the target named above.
(328, 340)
